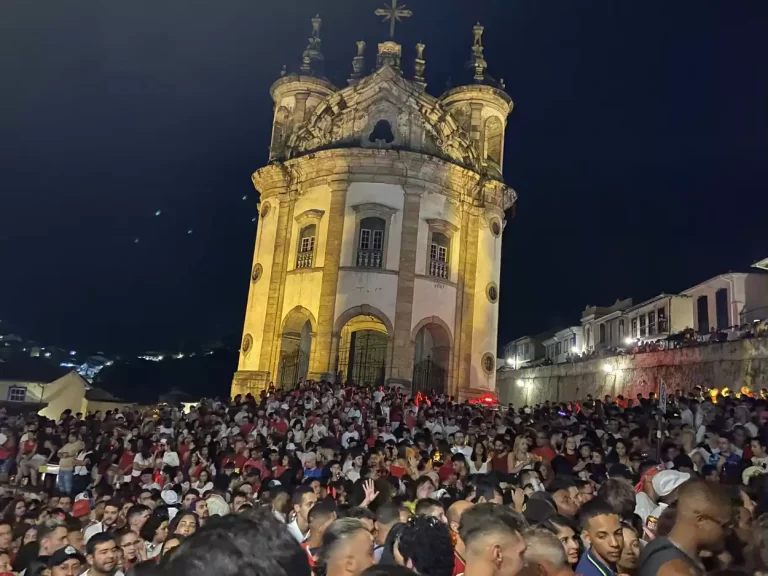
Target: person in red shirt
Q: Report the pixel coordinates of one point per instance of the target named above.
(279, 424)
(543, 448)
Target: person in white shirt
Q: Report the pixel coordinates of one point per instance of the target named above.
(459, 445)
(108, 521)
(353, 414)
(319, 430)
(303, 500)
(759, 453)
(350, 434)
(170, 456)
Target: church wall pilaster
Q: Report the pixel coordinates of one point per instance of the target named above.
(462, 357)
(270, 348)
(402, 345)
(324, 356)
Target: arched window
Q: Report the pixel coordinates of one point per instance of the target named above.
(370, 249)
(439, 255)
(306, 248)
(494, 135)
(382, 131)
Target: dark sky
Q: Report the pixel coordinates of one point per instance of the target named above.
(637, 146)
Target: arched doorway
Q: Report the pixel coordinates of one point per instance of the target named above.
(362, 352)
(295, 348)
(431, 356)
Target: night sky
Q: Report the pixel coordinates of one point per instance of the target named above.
(638, 147)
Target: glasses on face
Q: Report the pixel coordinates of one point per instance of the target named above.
(130, 544)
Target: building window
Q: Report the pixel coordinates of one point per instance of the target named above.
(306, 247)
(721, 309)
(494, 140)
(634, 327)
(602, 333)
(661, 319)
(702, 311)
(589, 337)
(370, 253)
(621, 330)
(439, 263)
(558, 349)
(17, 394)
(524, 348)
(642, 326)
(651, 323)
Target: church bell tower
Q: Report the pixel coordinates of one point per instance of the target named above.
(378, 247)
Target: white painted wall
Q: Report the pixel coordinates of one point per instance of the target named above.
(378, 289)
(485, 317)
(302, 288)
(734, 283)
(432, 298)
(389, 195)
(257, 294)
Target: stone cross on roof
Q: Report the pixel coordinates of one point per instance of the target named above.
(394, 14)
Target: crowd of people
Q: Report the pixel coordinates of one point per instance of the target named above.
(344, 481)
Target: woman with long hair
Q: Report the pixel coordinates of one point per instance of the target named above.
(561, 527)
(520, 458)
(203, 483)
(480, 463)
(185, 524)
(14, 511)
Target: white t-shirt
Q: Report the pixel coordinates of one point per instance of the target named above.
(347, 436)
(482, 470)
(762, 462)
(142, 462)
(644, 506)
(318, 431)
(354, 415)
(171, 459)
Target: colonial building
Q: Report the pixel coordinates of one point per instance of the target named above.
(378, 246)
(565, 344)
(730, 299)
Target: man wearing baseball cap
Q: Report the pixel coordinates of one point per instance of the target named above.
(66, 562)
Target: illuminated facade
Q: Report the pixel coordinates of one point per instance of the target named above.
(378, 246)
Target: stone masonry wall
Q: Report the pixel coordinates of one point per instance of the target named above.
(732, 364)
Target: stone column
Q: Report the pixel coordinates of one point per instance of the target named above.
(270, 347)
(402, 347)
(324, 362)
(300, 109)
(465, 295)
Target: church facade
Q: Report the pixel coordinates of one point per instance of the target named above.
(378, 246)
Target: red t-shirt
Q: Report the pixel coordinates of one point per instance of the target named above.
(281, 427)
(459, 566)
(545, 453)
(126, 462)
(245, 429)
(312, 563)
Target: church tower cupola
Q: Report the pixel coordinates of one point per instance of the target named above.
(482, 107)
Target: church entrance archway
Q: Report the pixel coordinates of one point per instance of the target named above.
(295, 348)
(431, 356)
(362, 355)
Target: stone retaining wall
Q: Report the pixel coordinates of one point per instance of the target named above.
(732, 364)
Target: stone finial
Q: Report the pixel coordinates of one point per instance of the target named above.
(478, 60)
(312, 59)
(419, 65)
(284, 71)
(358, 64)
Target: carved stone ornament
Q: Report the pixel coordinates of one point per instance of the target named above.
(488, 363)
(265, 210)
(247, 344)
(256, 273)
(496, 227)
(492, 292)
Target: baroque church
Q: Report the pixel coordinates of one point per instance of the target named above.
(378, 246)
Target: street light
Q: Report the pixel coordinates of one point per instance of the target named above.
(520, 383)
(629, 341)
(574, 350)
(607, 368)
(510, 361)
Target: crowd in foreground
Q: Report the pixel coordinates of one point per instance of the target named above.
(346, 481)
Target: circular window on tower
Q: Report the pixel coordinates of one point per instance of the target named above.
(247, 344)
(264, 210)
(256, 273)
(496, 227)
(488, 363)
(492, 291)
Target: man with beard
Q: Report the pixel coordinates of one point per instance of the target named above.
(702, 520)
(600, 530)
(101, 553)
(108, 520)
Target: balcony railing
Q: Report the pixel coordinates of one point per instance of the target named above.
(438, 269)
(304, 259)
(369, 258)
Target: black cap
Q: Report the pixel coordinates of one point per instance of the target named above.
(66, 553)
